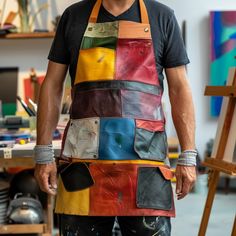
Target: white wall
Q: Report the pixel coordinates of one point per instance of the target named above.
(32, 53)
(196, 13)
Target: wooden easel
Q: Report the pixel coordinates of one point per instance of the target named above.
(224, 145)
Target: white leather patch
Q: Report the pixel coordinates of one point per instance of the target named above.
(82, 139)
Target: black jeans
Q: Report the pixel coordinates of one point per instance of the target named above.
(102, 226)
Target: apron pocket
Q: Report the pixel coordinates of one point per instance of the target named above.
(75, 176)
(95, 64)
(82, 139)
(117, 139)
(154, 189)
(150, 145)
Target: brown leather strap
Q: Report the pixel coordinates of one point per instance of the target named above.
(94, 14)
(97, 6)
(143, 12)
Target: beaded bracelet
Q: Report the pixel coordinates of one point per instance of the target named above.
(188, 158)
(44, 154)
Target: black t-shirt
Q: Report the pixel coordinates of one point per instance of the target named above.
(168, 44)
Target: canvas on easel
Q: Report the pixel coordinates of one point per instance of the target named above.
(231, 142)
(222, 159)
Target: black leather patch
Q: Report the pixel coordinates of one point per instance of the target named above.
(96, 103)
(76, 176)
(153, 190)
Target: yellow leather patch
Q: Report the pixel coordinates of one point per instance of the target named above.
(95, 64)
(136, 162)
(72, 203)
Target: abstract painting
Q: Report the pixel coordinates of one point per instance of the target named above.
(223, 51)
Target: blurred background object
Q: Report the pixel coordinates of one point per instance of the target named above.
(27, 19)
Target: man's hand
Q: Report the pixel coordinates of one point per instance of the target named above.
(186, 177)
(46, 176)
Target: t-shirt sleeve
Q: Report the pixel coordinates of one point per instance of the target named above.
(59, 52)
(174, 49)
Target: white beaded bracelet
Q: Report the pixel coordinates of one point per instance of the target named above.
(44, 154)
(188, 158)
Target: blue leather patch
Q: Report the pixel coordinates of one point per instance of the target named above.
(117, 139)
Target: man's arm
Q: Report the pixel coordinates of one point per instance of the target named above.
(184, 121)
(48, 114)
(50, 102)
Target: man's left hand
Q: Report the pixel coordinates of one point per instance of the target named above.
(186, 177)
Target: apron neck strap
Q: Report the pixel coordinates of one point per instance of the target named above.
(97, 6)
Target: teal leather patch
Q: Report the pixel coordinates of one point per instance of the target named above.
(117, 139)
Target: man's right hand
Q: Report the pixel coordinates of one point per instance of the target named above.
(46, 175)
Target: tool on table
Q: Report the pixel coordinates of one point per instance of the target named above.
(1, 108)
(3, 145)
(25, 106)
(66, 106)
(34, 105)
(13, 123)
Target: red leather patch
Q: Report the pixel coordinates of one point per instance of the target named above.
(166, 172)
(151, 125)
(135, 61)
(114, 192)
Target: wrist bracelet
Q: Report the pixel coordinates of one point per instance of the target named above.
(44, 154)
(188, 158)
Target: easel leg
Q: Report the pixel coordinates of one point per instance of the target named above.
(209, 203)
(227, 182)
(50, 215)
(234, 228)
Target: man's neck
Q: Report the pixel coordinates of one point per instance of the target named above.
(117, 7)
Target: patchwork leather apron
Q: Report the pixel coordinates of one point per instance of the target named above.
(116, 133)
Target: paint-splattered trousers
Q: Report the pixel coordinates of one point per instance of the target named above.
(102, 226)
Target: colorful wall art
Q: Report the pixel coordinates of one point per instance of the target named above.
(223, 51)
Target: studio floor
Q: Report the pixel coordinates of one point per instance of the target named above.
(189, 213)
(190, 209)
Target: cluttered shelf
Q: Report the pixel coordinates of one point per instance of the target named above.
(17, 182)
(28, 35)
(42, 208)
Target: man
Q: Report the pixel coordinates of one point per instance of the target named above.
(113, 160)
